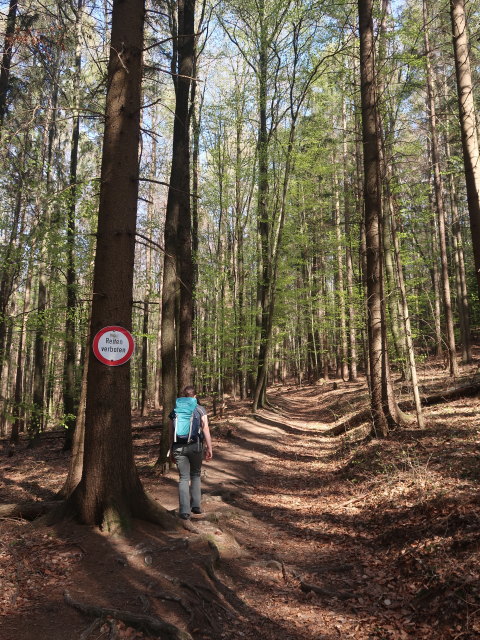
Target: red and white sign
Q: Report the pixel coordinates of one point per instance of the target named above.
(113, 346)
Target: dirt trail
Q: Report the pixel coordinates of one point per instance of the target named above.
(304, 536)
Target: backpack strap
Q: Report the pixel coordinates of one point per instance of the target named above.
(190, 429)
(174, 420)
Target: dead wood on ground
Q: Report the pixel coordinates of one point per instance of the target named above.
(428, 401)
(328, 593)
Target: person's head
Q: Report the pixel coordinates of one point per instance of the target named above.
(189, 391)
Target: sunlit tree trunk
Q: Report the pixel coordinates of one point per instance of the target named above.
(340, 287)
(439, 204)
(69, 394)
(372, 213)
(7, 58)
(352, 340)
(468, 123)
(178, 265)
(110, 492)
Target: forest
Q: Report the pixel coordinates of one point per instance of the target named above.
(277, 201)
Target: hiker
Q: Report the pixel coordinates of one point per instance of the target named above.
(189, 432)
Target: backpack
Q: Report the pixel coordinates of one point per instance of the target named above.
(187, 421)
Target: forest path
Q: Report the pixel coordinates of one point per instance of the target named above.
(311, 537)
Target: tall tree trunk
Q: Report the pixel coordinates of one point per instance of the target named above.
(458, 257)
(340, 288)
(18, 393)
(110, 491)
(439, 204)
(468, 123)
(7, 58)
(186, 66)
(412, 367)
(263, 223)
(39, 412)
(69, 394)
(352, 340)
(177, 363)
(10, 267)
(372, 213)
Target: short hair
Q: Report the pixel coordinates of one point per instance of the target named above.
(189, 391)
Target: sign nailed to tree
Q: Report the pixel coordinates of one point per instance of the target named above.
(113, 346)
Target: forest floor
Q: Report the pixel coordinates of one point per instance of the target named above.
(304, 536)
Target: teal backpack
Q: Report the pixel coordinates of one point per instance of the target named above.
(187, 421)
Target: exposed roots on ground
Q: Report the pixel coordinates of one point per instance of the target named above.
(26, 510)
(145, 623)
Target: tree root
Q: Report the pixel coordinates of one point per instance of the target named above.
(90, 629)
(144, 623)
(26, 510)
(166, 596)
(152, 511)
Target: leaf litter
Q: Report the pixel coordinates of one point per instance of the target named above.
(305, 536)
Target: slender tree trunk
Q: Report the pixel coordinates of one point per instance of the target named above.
(263, 222)
(69, 391)
(468, 123)
(10, 268)
(340, 288)
(459, 261)
(438, 189)
(406, 317)
(352, 340)
(39, 412)
(372, 213)
(18, 394)
(7, 58)
(177, 363)
(145, 350)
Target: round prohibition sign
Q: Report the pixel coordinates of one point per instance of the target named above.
(113, 346)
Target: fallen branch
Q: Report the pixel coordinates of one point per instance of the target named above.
(445, 396)
(138, 621)
(366, 415)
(306, 587)
(349, 424)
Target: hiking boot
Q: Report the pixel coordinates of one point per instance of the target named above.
(196, 510)
(185, 516)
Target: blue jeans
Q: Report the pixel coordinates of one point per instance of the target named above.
(188, 459)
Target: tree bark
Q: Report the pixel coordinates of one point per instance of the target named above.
(7, 58)
(468, 123)
(352, 340)
(340, 288)
(69, 394)
(439, 204)
(177, 359)
(372, 213)
(186, 48)
(110, 492)
(18, 393)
